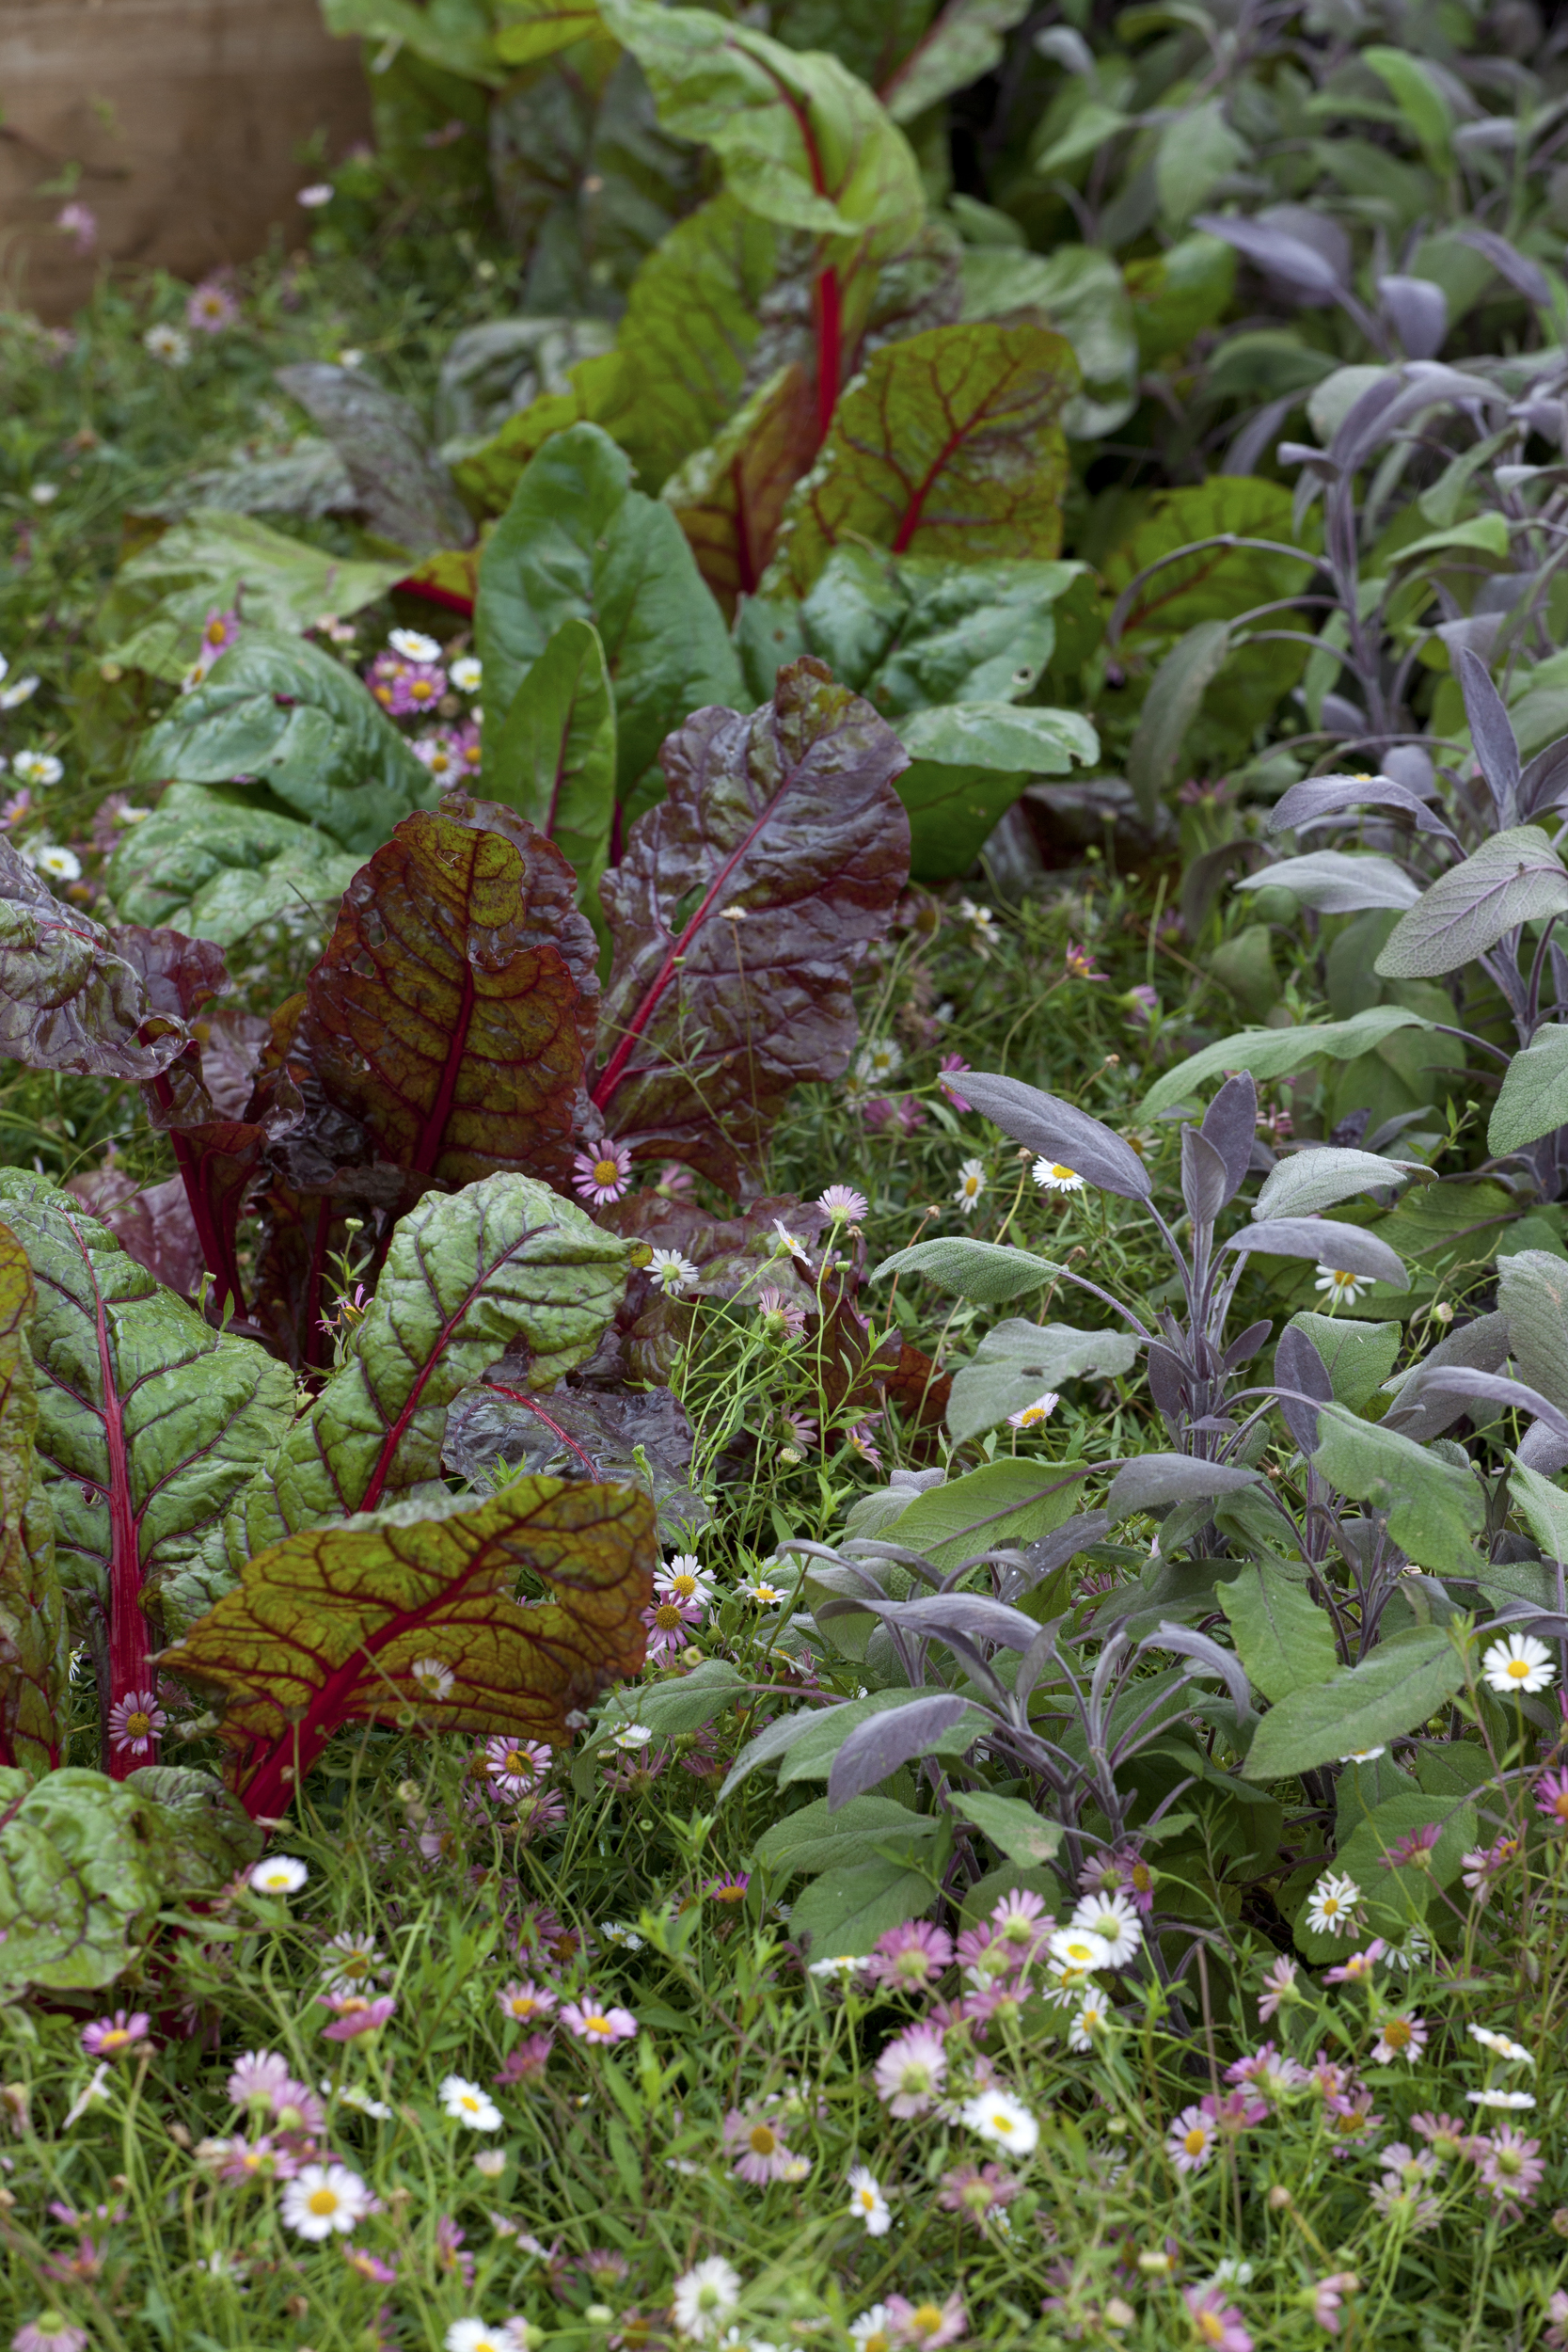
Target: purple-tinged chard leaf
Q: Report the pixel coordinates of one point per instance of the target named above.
(149, 1423)
(738, 913)
(452, 1013)
(404, 489)
(1346, 1248)
(949, 445)
(730, 496)
(428, 1606)
(34, 1650)
(69, 999)
(1514, 878)
(964, 42)
(503, 1263)
(1059, 1133)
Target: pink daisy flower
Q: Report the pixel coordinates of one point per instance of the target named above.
(730, 1890)
(1358, 1968)
(124, 2035)
(977, 2190)
(669, 1622)
(1279, 1985)
(1328, 2297)
(211, 307)
(135, 1723)
(843, 1205)
(515, 1766)
(911, 2072)
(354, 2013)
(927, 2324)
(49, 2332)
(258, 2078)
(758, 2148)
(779, 1318)
(1402, 2036)
(244, 2160)
(592, 2020)
(602, 1175)
(524, 2001)
(911, 1955)
(1190, 2141)
(1509, 2167)
(526, 2062)
(950, 1064)
(1551, 1796)
(1214, 2323)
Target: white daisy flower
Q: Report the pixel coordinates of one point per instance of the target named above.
(1500, 2045)
(972, 1183)
(434, 1678)
(982, 932)
(52, 858)
(631, 1736)
(867, 2203)
(1003, 2120)
(21, 691)
(326, 2198)
(616, 1932)
(841, 1963)
(702, 2297)
(792, 1242)
(878, 1059)
(1094, 2018)
(167, 345)
(1516, 2100)
(765, 1596)
(873, 2330)
(472, 2335)
(467, 673)
(45, 493)
(413, 644)
(351, 1961)
(1520, 1664)
(360, 2101)
(1054, 1176)
(1115, 1921)
(1079, 1948)
(670, 1272)
(1331, 1905)
(684, 1579)
(1362, 1756)
(36, 767)
(1033, 1415)
(1343, 1289)
(466, 2104)
(280, 1874)
(320, 192)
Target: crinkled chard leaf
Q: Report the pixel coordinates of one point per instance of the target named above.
(404, 491)
(35, 1651)
(505, 1262)
(279, 710)
(149, 1423)
(452, 1014)
(949, 445)
(739, 913)
(69, 999)
(425, 1606)
(210, 867)
(730, 496)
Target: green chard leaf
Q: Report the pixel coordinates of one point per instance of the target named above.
(80, 1880)
(208, 866)
(554, 762)
(969, 761)
(35, 1648)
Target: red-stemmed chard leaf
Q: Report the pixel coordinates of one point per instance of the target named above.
(950, 444)
(428, 1607)
(149, 1423)
(739, 911)
(34, 1653)
(730, 497)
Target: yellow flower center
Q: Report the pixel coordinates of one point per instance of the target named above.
(607, 1172)
(667, 1616)
(1002, 2124)
(1210, 2328)
(1396, 2033)
(1195, 2141)
(1518, 1669)
(763, 2141)
(926, 2319)
(1062, 1173)
(114, 2039)
(323, 2200)
(137, 1724)
(597, 2022)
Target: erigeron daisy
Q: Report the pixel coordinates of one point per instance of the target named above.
(911, 2072)
(135, 1723)
(320, 192)
(124, 2035)
(36, 767)
(472, 2335)
(20, 690)
(616, 1932)
(466, 674)
(351, 1961)
(526, 2002)
(1079, 1948)
(1092, 2019)
(1331, 1905)
(1519, 1664)
(670, 1272)
(602, 1175)
(878, 1059)
(466, 2103)
(1500, 2045)
(1342, 1289)
(54, 859)
(323, 2199)
(432, 1676)
(167, 345)
(1055, 1176)
(514, 1767)
(1362, 1756)
(872, 2331)
(684, 1577)
(972, 1183)
(765, 1594)
(1036, 1415)
(353, 2096)
(983, 933)
(1115, 1921)
(592, 2020)
(1190, 2141)
(211, 307)
(1003, 2120)
(867, 2203)
(1514, 2100)
(1401, 2037)
(413, 644)
(280, 1874)
(843, 1205)
(631, 1736)
(703, 2297)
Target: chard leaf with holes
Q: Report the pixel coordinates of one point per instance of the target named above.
(428, 1605)
(503, 1263)
(1405, 1679)
(1515, 877)
(739, 911)
(949, 445)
